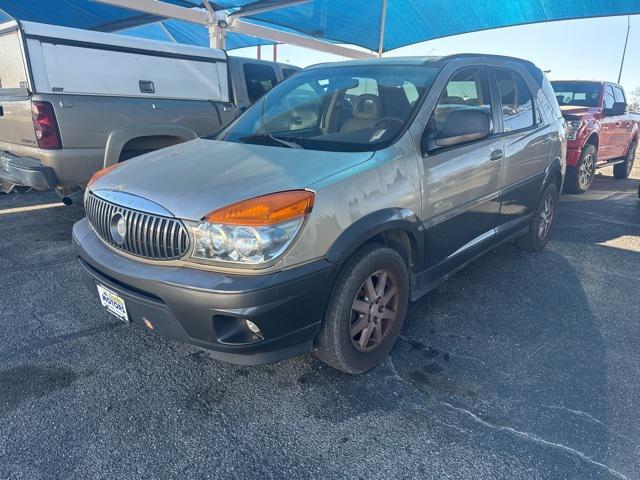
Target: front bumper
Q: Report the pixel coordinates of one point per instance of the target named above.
(205, 308)
(27, 172)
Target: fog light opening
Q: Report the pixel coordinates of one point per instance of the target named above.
(252, 327)
(233, 330)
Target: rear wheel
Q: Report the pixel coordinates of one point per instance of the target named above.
(580, 177)
(366, 310)
(541, 226)
(623, 170)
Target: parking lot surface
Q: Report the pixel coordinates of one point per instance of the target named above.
(520, 366)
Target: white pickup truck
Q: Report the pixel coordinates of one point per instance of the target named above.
(74, 101)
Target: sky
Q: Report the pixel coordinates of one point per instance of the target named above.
(575, 49)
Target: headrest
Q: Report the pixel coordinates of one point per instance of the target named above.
(366, 107)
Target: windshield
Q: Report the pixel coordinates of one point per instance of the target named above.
(579, 94)
(346, 108)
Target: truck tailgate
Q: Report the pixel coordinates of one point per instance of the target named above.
(16, 125)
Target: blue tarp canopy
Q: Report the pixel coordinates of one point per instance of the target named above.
(354, 22)
(91, 15)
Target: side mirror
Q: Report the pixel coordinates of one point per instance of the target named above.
(462, 126)
(619, 108)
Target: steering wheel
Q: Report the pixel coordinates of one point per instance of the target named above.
(384, 119)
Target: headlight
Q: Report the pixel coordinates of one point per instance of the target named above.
(572, 128)
(253, 231)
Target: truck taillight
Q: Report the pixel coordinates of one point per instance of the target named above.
(45, 125)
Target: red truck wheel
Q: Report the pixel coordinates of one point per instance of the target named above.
(580, 177)
(623, 170)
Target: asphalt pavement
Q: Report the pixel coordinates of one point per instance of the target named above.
(520, 366)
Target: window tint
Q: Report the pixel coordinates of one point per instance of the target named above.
(260, 79)
(609, 97)
(619, 94)
(517, 104)
(468, 88)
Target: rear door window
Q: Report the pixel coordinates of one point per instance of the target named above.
(619, 95)
(260, 79)
(516, 100)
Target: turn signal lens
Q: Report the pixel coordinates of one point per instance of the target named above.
(253, 231)
(265, 210)
(101, 173)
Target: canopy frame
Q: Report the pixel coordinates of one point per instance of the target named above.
(219, 22)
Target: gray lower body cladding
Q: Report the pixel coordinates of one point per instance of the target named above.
(208, 309)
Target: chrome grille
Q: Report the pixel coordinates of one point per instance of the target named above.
(147, 235)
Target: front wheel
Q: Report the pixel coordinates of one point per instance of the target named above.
(580, 177)
(623, 170)
(541, 226)
(365, 311)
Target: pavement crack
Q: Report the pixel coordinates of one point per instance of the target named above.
(589, 416)
(394, 371)
(536, 439)
(575, 412)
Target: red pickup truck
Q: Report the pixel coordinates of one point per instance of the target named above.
(600, 131)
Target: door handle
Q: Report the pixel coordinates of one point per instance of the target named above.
(546, 139)
(496, 155)
(618, 124)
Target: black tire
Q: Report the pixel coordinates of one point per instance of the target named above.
(336, 346)
(623, 170)
(536, 239)
(579, 178)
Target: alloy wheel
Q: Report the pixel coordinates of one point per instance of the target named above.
(631, 156)
(374, 311)
(546, 217)
(587, 169)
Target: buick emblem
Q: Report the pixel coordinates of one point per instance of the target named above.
(118, 228)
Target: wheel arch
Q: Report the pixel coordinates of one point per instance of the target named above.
(553, 173)
(593, 139)
(398, 228)
(119, 139)
(634, 139)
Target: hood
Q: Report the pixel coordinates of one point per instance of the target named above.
(576, 111)
(197, 177)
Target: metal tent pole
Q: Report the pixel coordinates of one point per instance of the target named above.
(624, 51)
(383, 21)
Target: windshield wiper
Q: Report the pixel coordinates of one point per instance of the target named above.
(270, 137)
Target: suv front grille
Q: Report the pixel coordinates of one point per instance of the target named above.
(145, 235)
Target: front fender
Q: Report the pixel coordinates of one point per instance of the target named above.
(374, 224)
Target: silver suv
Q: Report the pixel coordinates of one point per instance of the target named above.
(311, 221)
